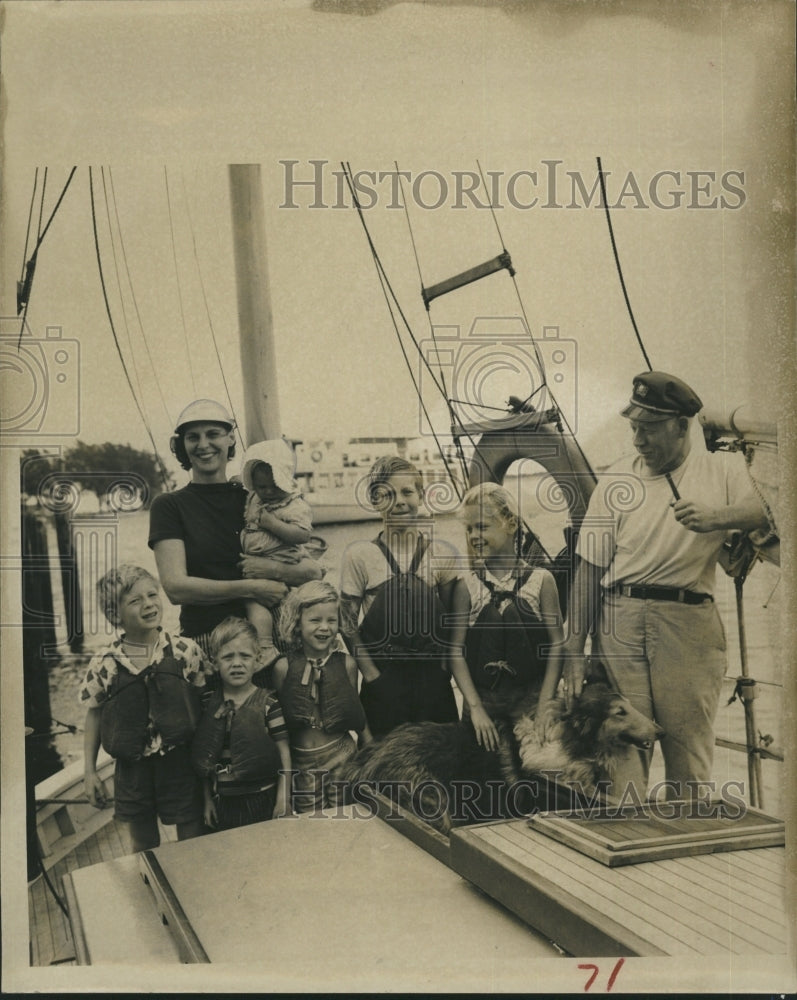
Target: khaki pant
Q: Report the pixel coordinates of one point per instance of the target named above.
(668, 659)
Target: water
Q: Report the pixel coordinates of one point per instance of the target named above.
(762, 599)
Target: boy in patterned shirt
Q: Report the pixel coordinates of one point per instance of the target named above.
(142, 699)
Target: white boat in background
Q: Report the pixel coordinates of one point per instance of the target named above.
(333, 476)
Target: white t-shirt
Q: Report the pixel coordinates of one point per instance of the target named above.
(631, 531)
(364, 568)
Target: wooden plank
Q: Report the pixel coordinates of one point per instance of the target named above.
(706, 886)
(747, 878)
(558, 914)
(661, 901)
(622, 905)
(721, 910)
(76, 922)
(654, 878)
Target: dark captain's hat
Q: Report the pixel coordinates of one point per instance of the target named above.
(659, 396)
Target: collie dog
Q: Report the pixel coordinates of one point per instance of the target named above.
(438, 771)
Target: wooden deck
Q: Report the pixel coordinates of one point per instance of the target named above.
(50, 937)
(731, 903)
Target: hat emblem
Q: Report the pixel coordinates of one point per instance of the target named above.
(641, 389)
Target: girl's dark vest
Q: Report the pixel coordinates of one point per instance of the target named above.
(506, 631)
(338, 708)
(157, 700)
(254, 756)
(406, 619)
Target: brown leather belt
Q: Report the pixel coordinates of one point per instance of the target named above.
(659, 593)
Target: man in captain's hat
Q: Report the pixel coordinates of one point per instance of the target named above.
(648, 551)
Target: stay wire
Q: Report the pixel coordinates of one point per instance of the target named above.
(41, 209)
(347, 173)
(455, 419)
(119, 280)
(386, 286)
(134, 298)
(30, 218)
(177, 280)
(442, 388)
(162, 467)
(207, 311)
(454, 416)
(617, 263)
(440, 385)
(667, 475)
(41, 233)
(537, 352)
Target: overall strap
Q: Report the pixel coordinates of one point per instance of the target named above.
(420, 549)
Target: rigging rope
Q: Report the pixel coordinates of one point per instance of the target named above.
(617, 263)
(162, 467)
(443, 388)
(177, 278)
(30, 266)
(605, 200)
(27, 230)
(385, 282)
(207, 310)
(41, 208)
(135, 300)
(118, 278)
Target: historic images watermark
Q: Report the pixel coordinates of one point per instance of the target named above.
(468, 801)
(316, 184)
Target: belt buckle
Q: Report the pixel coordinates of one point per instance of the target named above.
(682, 596)
(223, 769)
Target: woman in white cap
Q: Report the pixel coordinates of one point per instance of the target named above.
(195, 531)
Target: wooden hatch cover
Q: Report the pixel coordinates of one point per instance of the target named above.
(628, 835)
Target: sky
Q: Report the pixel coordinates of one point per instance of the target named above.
(520, 91)
(690, 100)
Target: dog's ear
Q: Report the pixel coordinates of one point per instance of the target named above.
(596, 672)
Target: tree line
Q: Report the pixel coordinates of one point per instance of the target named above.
(98, 468)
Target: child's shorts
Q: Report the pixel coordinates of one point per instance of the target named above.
(162, 785)
(312, 788)
(233, 811)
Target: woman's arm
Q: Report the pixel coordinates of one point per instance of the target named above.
(293, 574)
(181, 588)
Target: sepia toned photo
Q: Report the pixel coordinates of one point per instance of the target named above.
(397, 427)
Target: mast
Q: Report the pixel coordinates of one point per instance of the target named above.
(256, 328)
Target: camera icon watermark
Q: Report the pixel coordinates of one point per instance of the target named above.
(39, 382)
(497, 368)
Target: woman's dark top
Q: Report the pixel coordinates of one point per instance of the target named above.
(208, 519)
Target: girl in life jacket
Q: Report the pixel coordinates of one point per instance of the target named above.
(317, 685)
(514, 636)
(396, 593)
(241, 744)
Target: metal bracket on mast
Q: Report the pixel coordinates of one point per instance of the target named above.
(501, 262)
